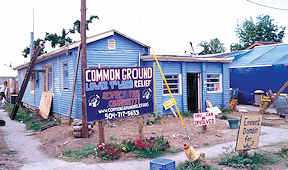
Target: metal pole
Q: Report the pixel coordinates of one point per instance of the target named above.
(83, 66)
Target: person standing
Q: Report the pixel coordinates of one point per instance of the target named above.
(4, 91)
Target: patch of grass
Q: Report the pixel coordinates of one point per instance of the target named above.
(76, 155)
(206, 144)
(32, 121)
(251, 161)
(227, 110)
(196, 165)
(9, 152)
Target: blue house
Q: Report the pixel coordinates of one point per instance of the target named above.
(261, 68)
(192, 80)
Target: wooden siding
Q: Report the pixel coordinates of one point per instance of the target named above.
(126, 54)
(217, 99)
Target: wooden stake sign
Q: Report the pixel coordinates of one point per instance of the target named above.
(248, 132)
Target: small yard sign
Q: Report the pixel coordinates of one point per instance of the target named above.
(168, 104)
(201, 119)
(113, 93)
(248, 132)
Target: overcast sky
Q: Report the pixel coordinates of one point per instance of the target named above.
(165, 25)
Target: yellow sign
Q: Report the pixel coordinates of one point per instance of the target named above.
(266, 99)
(248, 132)
(168, 104)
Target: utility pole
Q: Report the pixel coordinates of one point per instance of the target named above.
(83, 66)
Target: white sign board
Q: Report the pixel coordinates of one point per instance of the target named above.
(206, 118)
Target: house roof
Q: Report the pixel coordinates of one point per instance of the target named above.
(64, 49)
(177, 58)
(263, 56)
(260, 43)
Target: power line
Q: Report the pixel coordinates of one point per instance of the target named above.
(267, 6)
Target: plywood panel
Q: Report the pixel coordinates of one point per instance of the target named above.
(249, 132)
(45, 104)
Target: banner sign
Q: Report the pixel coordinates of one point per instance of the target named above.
(201, 119)
(248, 132)
(113, 93)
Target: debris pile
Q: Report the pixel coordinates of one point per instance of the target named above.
(77, 129)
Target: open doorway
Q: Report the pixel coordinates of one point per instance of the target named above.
(193, 92)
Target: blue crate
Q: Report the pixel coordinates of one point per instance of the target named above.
(162, 164)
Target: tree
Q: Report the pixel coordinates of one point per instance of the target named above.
(212, 47)
(58, 40)
(264, 29)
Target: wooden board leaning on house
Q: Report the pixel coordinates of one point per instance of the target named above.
(249, 132)
(45, 104)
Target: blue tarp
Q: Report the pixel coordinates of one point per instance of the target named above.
(257, 78)
(262, 68)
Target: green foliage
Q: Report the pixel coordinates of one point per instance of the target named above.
(196, 165)
(127, 146)
(31, 121)
(206, 144)
(87, 151)
(264, 29)
(251, 161)
(236, 47)
(151, 148)
(9, 152)
(58, 40)
(108, 151)
(212, 47)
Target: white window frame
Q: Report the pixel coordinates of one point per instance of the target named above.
(179, 84)
(45, 78)
(63, 82)
(220, 90)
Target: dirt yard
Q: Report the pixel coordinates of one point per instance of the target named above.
(8, 158)
(57, 139)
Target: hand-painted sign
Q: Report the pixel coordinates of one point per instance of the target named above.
(201, 119)
(248, 132)
(168, 104)
(113, 93)
(266, 99)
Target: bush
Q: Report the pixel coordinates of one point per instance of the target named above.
(253, 161)
(151, 148)
(89, 150)
(108, 151)
(127, 146)
(196, 165)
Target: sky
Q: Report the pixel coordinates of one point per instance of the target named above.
(167, 26)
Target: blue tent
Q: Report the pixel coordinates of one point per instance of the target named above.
(261, 68)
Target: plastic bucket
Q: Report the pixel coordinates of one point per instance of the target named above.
(13, 99)
(233, 123)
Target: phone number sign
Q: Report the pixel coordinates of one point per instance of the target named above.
(113, 93)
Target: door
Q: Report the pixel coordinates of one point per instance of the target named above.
(192, 92)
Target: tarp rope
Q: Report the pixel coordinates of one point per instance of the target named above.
(171, 95)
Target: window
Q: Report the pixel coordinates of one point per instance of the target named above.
(214, 83)
(111, 44)
(47, 78)
(65, 75)
(174, 83)
(32, 81)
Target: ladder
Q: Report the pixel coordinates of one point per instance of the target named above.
(25, 83)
